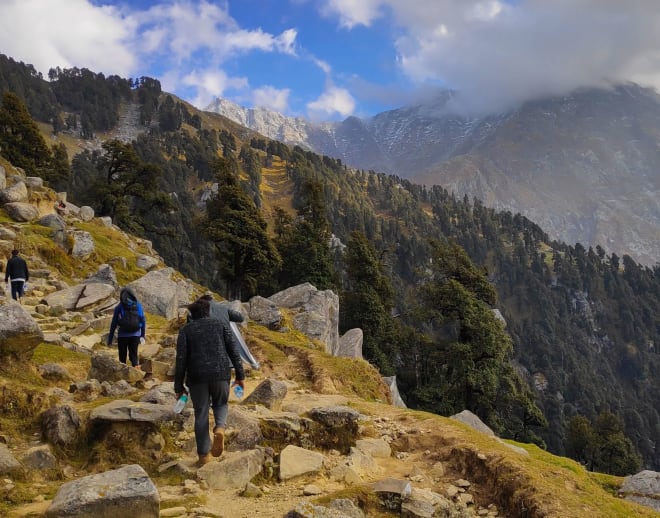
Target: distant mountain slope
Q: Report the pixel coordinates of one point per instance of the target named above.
(585, 166)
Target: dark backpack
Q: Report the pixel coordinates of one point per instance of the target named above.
(129, 319)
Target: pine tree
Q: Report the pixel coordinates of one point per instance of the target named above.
(246, 256)
(366, 302)
(21, 142)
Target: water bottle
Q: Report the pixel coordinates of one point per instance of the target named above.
(238, 391)
(180, 403)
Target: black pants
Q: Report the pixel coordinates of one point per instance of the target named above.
(128, 344)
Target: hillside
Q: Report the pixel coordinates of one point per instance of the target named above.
(442, 459)
(581, 166)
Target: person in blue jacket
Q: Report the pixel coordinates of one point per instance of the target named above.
(128, 319)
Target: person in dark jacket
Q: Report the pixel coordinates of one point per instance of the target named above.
(205, 354)
(17, 271)
(129, 335)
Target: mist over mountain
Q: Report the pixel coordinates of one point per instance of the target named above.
(583, 166)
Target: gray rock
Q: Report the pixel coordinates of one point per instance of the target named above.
(83, 243)
(7, 234)
(247, 432)
(146, 262)
(19, 332)
(81, 296)
(158, 293)
(309, 510)
(234, 470)
(3, 178)
(106, 221)
(473, 421)
(16, 193)
(162, 394)
(54, 371)
(8, 463)
(350, 344)
(269, 393)
(375, 447)
(125, 410)
(39, 457)
(120, 388)
(34, 182)
(53, 221)
(265, 312)
(127, 491)
(86, 213)
(296, 461)
(106, 368)
(317, 313)
(397, 401)
(23, 212)
(643, 488)
(60, 425)
(346, 506)
(104, 275)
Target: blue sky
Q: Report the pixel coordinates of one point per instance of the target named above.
(328, 59)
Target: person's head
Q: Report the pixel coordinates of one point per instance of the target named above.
(207, 297)
(127, 296)
(199, 309)
(14, 252)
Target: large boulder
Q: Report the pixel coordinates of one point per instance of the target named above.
(16, 193)
(127, 491)
(19, 332)
(265, 312)
(397, 400)
(643, 488)
(8, 463)
(60, 425)
(350, 344)
(158, 293)
(83, 244)
(20, 211)
(80, 297)
(269, 393)
(316, 313)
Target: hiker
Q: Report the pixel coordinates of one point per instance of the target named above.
(205, 353)
(17, 271)
(128, 319)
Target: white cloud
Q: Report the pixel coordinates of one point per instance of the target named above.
(272, 98)
(67, 33)
(499, 53)
(210, 84)
(353, 12)
(334, 101)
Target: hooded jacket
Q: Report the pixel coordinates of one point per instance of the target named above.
(127, 298)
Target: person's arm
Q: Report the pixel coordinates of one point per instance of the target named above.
(180, 364)
(234, 316)
(234, 354)
(143, 321)
(27, 273)
(113, 325)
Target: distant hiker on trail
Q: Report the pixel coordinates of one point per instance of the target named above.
(221, 312)
(17, 271)
(128, 318)
(205, 353)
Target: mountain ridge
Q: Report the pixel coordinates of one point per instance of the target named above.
(581, 165)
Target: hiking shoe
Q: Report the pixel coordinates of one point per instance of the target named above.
(204, 459)
(218, 442)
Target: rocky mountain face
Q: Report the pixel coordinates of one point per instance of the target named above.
(584, 166)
